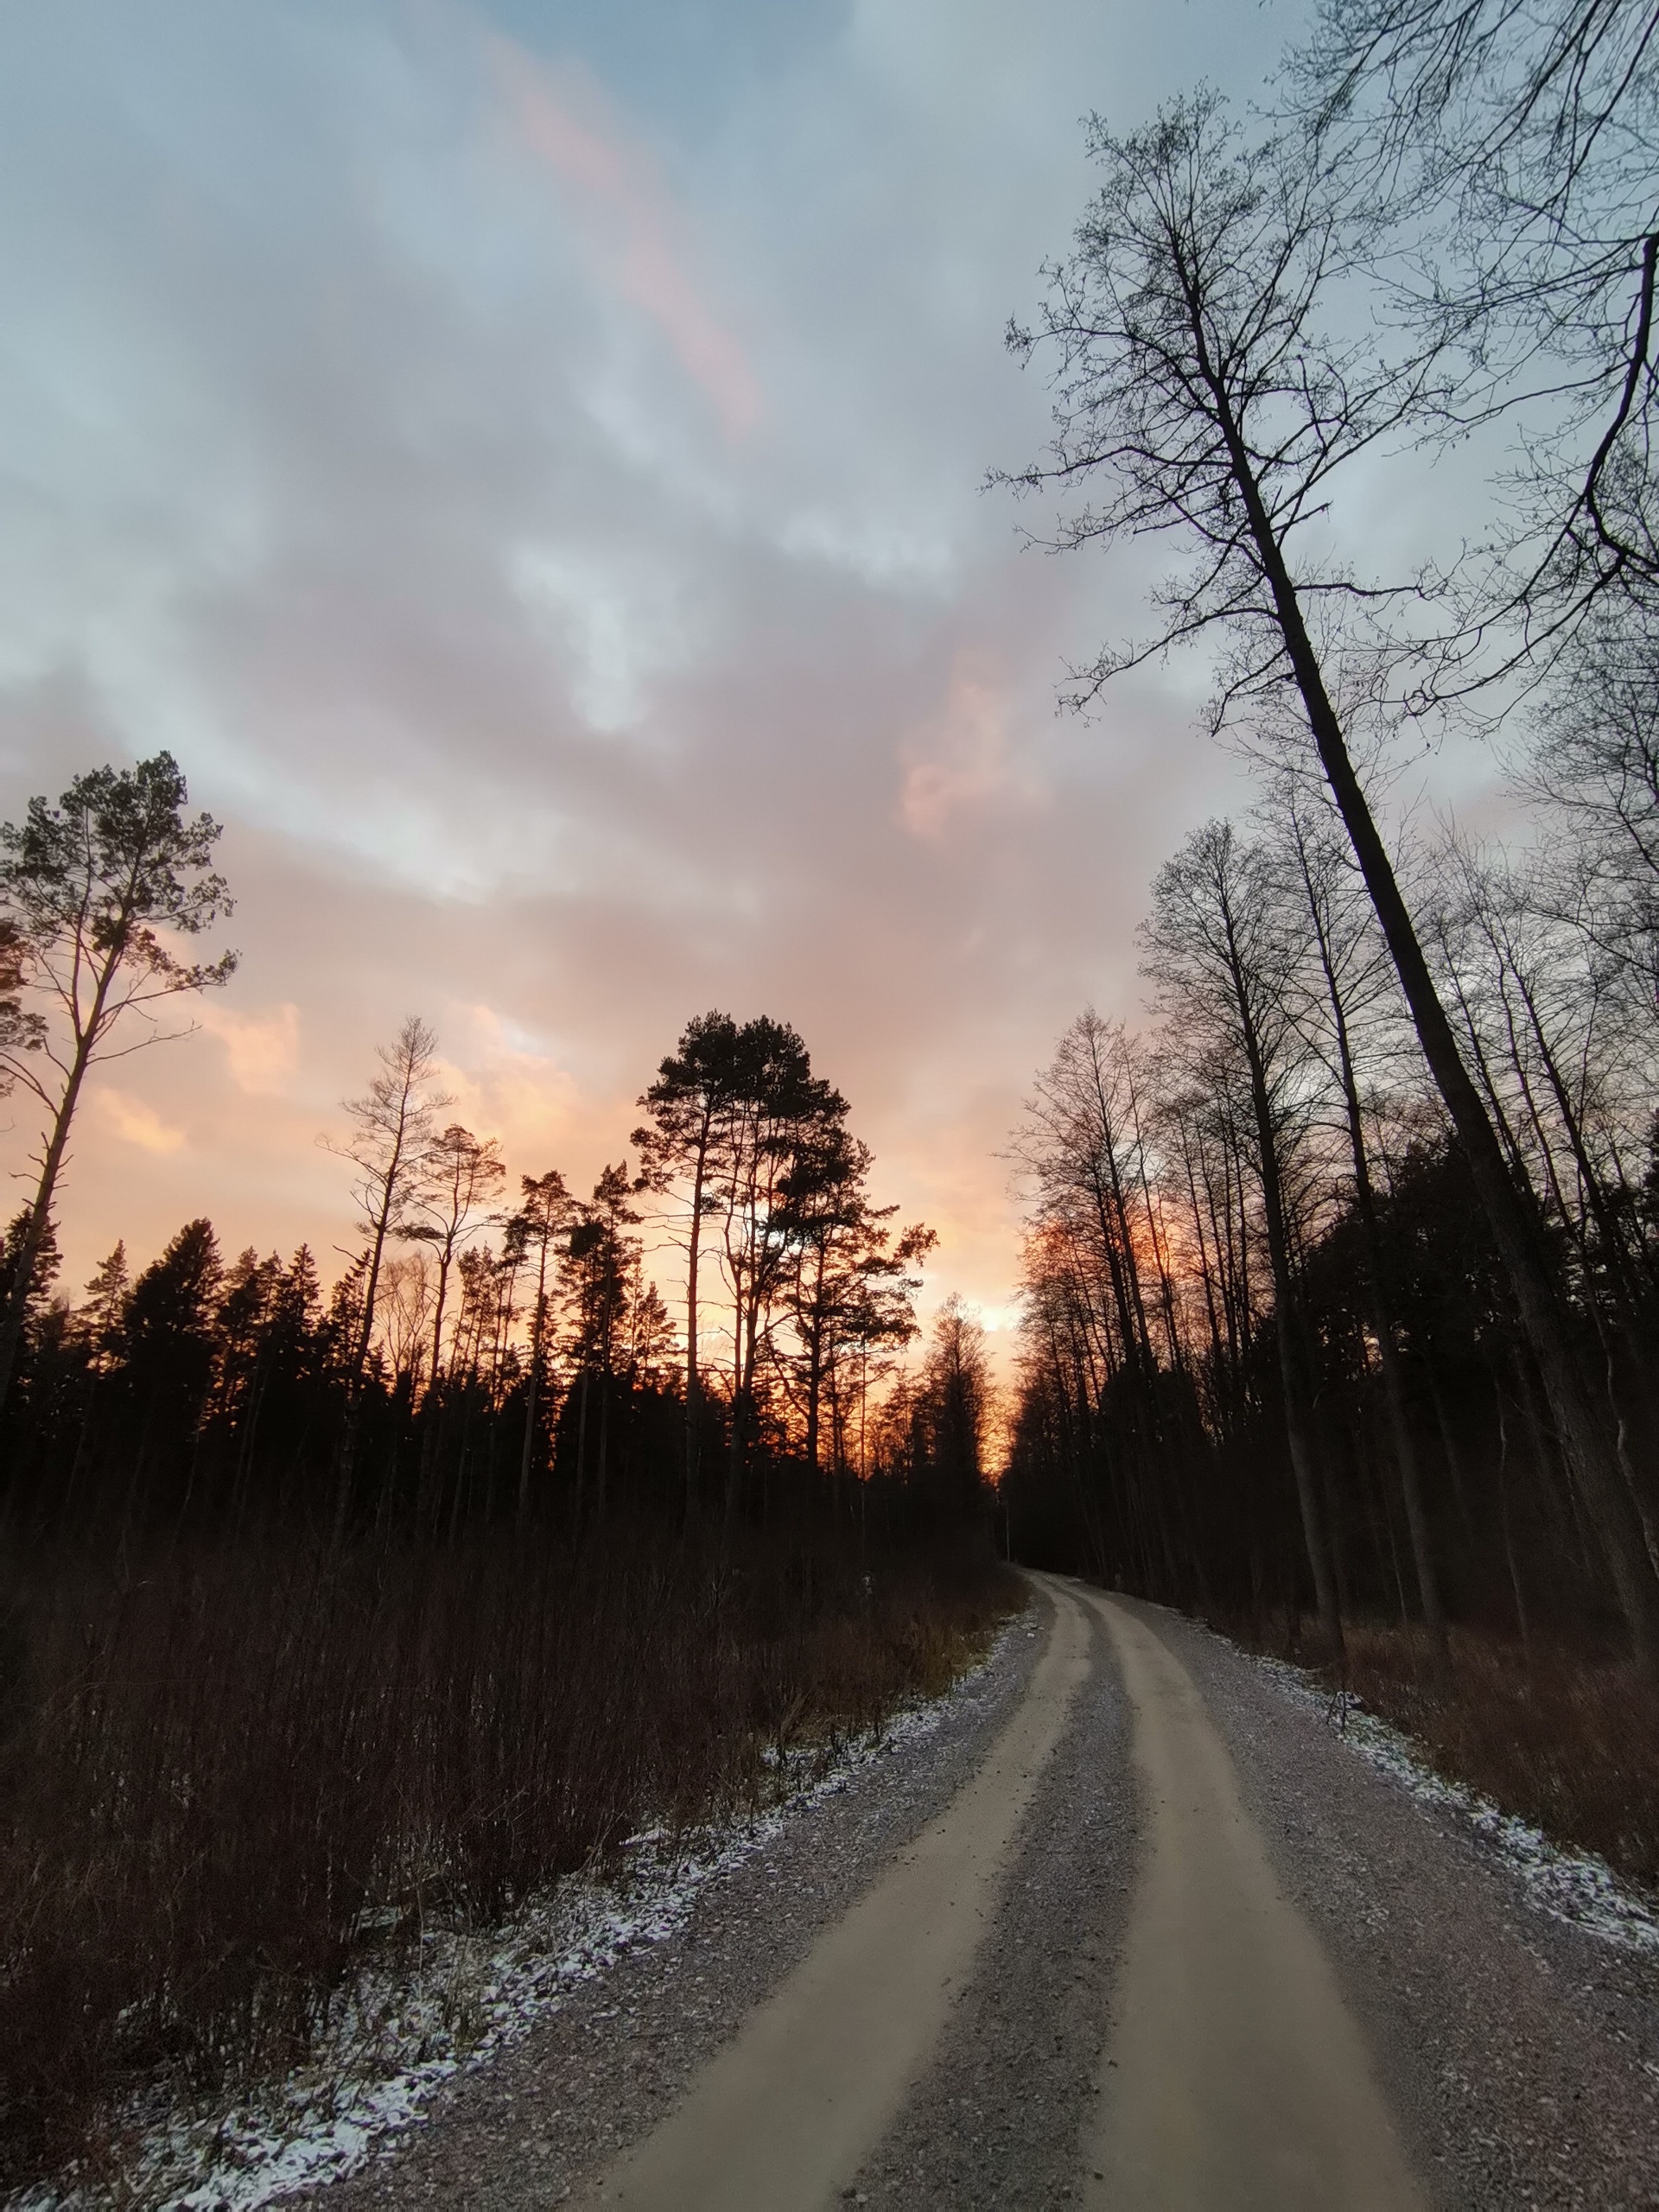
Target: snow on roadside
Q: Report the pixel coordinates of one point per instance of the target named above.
(1571, 1886)
(406, 2027)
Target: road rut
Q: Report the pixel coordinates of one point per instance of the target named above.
(1237, 2079)
(786, 2114)
(1128, 1930)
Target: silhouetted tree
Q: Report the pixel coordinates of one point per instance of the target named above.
(545, 1213)
(1219, 951)
(458, 1176)
(87, 887)
(690, 1103)
(1200, 392)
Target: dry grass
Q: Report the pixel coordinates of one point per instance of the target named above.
(223, 1769)
(1567, 1736)
(1571, 1743)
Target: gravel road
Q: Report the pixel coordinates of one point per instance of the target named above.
(1497, 2058)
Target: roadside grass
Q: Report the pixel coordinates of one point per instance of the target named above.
(1562, 1733)
(230, 1778)
(1565, 1736)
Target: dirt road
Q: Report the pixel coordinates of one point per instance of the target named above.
(1235, 2075)
(1135, 1933)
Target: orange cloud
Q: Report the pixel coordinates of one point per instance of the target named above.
(263, 1048)
(134, 1122)
(511, 1088)
(631, 227)
(964, 754)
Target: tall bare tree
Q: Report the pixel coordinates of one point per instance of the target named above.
(1344, 958)
(1517, 143)
(1217, 948)
(393, 1127)
(1200, 394)
(457, 1179)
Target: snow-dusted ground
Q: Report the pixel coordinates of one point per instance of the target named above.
(1571, 1886)
(406, 2027)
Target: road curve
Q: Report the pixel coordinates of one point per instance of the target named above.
(784, 2116)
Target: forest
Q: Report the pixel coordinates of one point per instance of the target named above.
(1340, 1271)
(335, 1612)
(494, 1356)
(1254, 1253)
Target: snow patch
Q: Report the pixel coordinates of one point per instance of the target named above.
(406, 2027)
(1571, 1886)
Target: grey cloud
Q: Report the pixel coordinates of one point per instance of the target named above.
(354, 457)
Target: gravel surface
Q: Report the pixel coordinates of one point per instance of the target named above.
(1520, 2054)
(531, 2127)
(996, 2119)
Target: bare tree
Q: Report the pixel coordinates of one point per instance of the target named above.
(1594, 764)
(1346, 959)
(390, 1140)
(391, 1132)
(1514, 141)
(1197, 389)
(1217, 948)
(456, 1178)
(405, 1305)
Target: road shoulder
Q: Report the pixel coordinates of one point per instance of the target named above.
(1520, 2054)
(539, 2121)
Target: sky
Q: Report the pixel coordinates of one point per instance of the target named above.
(527, 462)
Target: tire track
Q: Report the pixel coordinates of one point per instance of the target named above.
(787, 2112)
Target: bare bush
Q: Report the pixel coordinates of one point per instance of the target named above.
(238, 1771)
(1569, 1742)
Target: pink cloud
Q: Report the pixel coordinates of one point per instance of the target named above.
(135, 1122)
(631, 228)
(959, 761)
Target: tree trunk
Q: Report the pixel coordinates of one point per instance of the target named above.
(533, 1385)
(1382, 1320)
(1543, 1313)
(1286, 1330)
(693, 1377)
(40, 1213)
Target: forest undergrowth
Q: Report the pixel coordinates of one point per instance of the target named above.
(1561, 1729)
(231, 1777)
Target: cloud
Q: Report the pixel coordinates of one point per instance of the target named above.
(964, 763)
(631, 227)
(509, 1084)
(263, 1049)
(136, 1123)
(551, 540)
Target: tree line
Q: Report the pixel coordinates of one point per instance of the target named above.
(1450, 226)
(1271, 1357)
(491, 1352)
